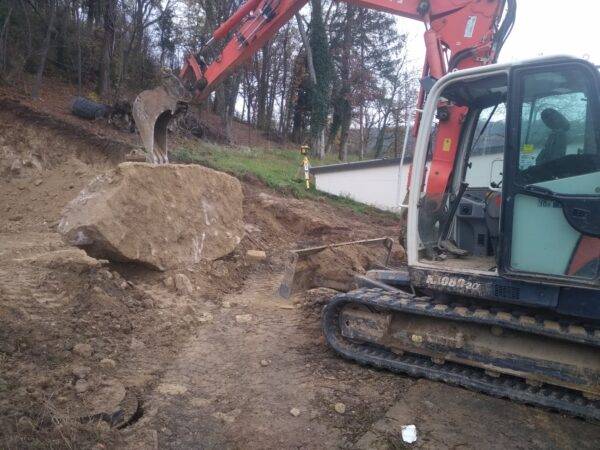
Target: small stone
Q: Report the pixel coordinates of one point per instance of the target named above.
(227, 417)
(81, 372)
(169, 282)
(295, 412)
(183, 284)
(15, 218)
(83, 350)
(205, 317)
(124, 285)
(38, 182)
(108, 363)
(340, 408)
(81, 386)
(243, 318)
(171, 389)
(136, 344)
(226, 305)
(256, 255)
(16, 167)
(265, 362)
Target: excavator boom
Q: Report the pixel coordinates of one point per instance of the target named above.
(458, 34)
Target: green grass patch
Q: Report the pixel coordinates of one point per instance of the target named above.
(276, 168)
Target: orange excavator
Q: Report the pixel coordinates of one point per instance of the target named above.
(501, 293)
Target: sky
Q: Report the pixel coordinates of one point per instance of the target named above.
(543, 27)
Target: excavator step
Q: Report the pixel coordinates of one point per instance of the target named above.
(490, 382)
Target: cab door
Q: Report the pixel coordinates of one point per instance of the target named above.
(550, 229)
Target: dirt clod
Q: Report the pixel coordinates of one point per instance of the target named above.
(243, 318)
(83, 349)
(81, 372)
(108, 363)
(81, 386)
(183, 284)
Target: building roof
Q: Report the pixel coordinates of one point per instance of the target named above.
(370, 164)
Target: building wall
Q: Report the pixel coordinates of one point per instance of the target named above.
(379, 186)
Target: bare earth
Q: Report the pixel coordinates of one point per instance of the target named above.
(227, 365)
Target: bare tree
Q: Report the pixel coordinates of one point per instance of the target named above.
(37, 85)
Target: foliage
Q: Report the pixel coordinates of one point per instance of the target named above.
(276, 168)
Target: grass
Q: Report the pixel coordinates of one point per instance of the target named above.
(276, 168)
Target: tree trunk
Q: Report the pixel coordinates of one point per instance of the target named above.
(103, 87)
(309, 56)
(263, 88)
(78, 38)
(37, 85)
(345, 105)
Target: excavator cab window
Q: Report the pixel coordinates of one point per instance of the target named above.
(551, 218)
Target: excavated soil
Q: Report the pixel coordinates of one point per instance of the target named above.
(100, 355)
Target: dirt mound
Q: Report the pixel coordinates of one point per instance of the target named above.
(334, 268)
(165, 217)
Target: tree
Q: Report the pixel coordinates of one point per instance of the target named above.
(35, 92)
(320, 91)
(108, 42)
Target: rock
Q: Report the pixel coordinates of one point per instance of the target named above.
(81, 372)
(183, 284)
(226, 305)
(205, 317)
(16, 218)
(136, 344)
(256, 255)
(38, 182)
(16, 167)
(340, 408)
(106, 274)
(295, 412)
(169, 282)
(108, 363)
(165, 216)
(227, 417)
(171, 389)
(83, 350)
(81, 386)
(243, 318)
(264, 362)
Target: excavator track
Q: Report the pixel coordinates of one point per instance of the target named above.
(517, 388)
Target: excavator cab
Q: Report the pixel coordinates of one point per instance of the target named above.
(523, 207)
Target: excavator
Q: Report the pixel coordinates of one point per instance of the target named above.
(501, 292)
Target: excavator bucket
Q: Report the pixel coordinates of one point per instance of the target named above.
(153, 110)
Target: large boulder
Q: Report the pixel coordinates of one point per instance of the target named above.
(165, 217)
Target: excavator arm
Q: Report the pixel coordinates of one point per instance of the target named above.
(458, 34)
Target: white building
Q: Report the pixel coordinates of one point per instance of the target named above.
(383, 184)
